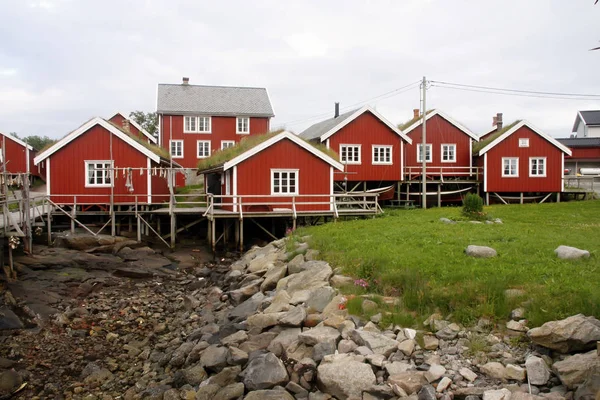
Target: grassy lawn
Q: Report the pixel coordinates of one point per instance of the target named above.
(187, 195)
(411, 255)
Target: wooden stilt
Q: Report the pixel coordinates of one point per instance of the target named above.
(213, 234)
(241, 235)
(73, 214)
(225, 233)
(487, 198)
(130, 221)
(158, 226)
(11, 265)
(139, 228)
(521, 199)
(113, 220)
(236, 233)
(173, 229)
(439, 195)
(407, 191)
(558, 197)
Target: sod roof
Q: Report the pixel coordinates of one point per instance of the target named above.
(480, 145)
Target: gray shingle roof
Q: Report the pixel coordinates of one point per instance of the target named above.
(580, 142)
(317, 130)
(591, 117)
(181, 99)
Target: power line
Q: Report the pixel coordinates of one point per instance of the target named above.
(495, 89)
(466, 89)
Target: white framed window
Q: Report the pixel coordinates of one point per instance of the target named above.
(427, 152)
(382, 154)
(524, 142)
(176, 147)
(537, 167)
(448, 152)
(98, 173)
(242, 125)
(225, 144)
(192, 124)
(510, 167)
(350, 153)
(284, 181)
(203, 148)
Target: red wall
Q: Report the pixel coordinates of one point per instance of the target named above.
(222, 128)
(367, 130)
(68, 174)
(584, 153)
(439, 131)
(118, 120)
(538, 147)
(254, 175)
(16, 156)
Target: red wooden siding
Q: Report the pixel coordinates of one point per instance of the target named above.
(254, 175)
(584, 153)
(439, 131)
(538, 147)
(68, 171)
(367, 130)
(118, 120)
(222, 128)
(16, 156)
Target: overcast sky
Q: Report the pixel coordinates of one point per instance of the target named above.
(64, 61)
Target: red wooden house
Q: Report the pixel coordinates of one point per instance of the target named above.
(585, 153)
(370, 147)
(521, 159)
(448, 149)
(83, 166)
(17, 156)
(194, 121)
(134, 129)
(281, 172)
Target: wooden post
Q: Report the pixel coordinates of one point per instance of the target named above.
(49, 218)
(558, 197)
(241, 235)
(236, 232)
(521, 199)
(408, 191)
(439, 195)
(173, 229)
(28, 240)
(487, 198)
(73, 214)
(213, 238)
(130, 220)
(10, 262)
(225, 233)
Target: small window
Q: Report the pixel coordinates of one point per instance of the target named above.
(176, 148)
(524, 142)
(510, 167)
(203, 148)
(98, 173)
(448, 153)
(350, 153)
(382, 154)
(225, 144)
(427, 152)
(537, 166)
(189, 124)
(204, 124)
(243, 125)
(284, 182)
(196, 124)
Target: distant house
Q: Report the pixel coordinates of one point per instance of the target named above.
(497, 125)
(129, 125)
(17, 156)
(370, 147)
(194, 121)
(79, 167)
(585, 153)
(587, 124)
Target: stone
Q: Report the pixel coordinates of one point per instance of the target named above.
(269, 395)
(377, 342)
(273, 275)
(427, 392)
(239, 295)
(320, 350)
(248, 307)
(98, 377)
(397, 367)
(376, 360)
(500, 394)
(574, 370)
(235, 338)
(265, 372)
(311, 254)
(467, 374)
(195, 375)
(281, 302)
(447, 221)
(494, 370)
(10, 380)
(410, 381)
(320, 298)
(407, 347)
(226, 377)
(319, 335)
(570, 253)
(517, 313)
(480, 251)
(237, 356)
(310, 279)
(283, 340)
(430, 342)
(214, 357)
(449, 332)
(516, 326)
(345, 378)
(9, 320)
(207, 392)
(369, 306)
(537, 370)
(346, 346)
(443, 384)
(434, 373)
(230, 392)
(294, 265)
(293, 317)
(340, 281)
(262, 321)
(575, 333)
(515, 372)
(590, 388)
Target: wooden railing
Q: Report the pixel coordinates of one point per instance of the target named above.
(444, 171)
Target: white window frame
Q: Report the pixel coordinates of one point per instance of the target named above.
(357, 147)
(287, 171)
(171, 143)
(206, 123)
(449, 146)
(537, 175)
(510, 159)
(237, 126)
(107, 164)
(428, 148)
(523, 142)
(207, 148)
(377, 149)
(225, 144)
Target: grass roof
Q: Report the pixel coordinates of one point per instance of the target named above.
(160, 151)
(477, 146)
(220, 157)
(411, 121)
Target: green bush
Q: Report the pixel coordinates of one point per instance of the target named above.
(472, 203)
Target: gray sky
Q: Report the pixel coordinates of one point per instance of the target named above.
(64, 61)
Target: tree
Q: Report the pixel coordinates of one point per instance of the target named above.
(148, 121)
(36, 141)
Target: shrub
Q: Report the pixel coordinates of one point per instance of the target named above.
(472, 203)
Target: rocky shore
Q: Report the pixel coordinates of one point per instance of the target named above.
(106, 318)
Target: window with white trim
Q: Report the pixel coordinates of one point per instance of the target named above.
(537, 166)
(203, 148)
(427, 152)
(350, 153)
(382, 154)
(98, 173)
(243, 125)
(284, 181)
(510, 167)
(189, 124)
(524, 142)
(176, 147)
(448, 153)
(193, 124)
(225, 144)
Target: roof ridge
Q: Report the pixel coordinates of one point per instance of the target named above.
(213, 86)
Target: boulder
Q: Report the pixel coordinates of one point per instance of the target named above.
(574, 370)
(195, 375)
(230, 392)
(430, 342)
(239, 295)
(467, 374)
(480, 251)
(500, 394)
(575, 333)
(269, 395)
(10, 380)
(293, 317)
(345, 378)
(427, 392)
(214, 357)
(411, 381)
(283, 340)
(294, 265)
(537, 370)
(307, 280)
(434, 373)
(571, 253)
(494, 370)
(515, 372)
(443, 384)
(589, 389)
(407, 347)
(262, 321)
(265, 372)
(379, 343)
(397, 367)
(9, 320)
(319, 335)
(273, 275)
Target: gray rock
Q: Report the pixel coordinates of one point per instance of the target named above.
(443, 384)
(319, 334)
(235, 338)
(230, 392)
(179, 355)
(283, 340)
(262, 321)
(195, 375)
(345, 378)
(338, 281)
(311, 254)
(294, 265)
(575, 333)
(447, 221)
(265, 372)
(397, 367)
(430, 342)
(575, 369)
(449, 332)
(377, 342)
(207, 391)
(10, 380)
(571, 253)
(407, 347)
(320, 350)
(214, 357)
(515, 372)
(410, 381)
(537, 370)
(516, 326)
(237, 356)
(590, 388)
(427, 392)
(226, 377)
(434, 373)
(346, 346)
(281, 302)
(500, 394)
(313, 278)
(480, 251)
(269, 395)
(9, 320)
(320, 298)
(273, 275)
(494, 370)
(467, 374)
(293, 317)
(239, 295)
(248, 307)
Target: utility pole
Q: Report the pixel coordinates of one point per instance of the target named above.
(424, 146)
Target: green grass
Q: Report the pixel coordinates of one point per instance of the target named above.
(410, 254)
(480, 145)
(186, 192)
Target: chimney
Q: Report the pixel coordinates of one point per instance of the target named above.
(125, 124)
(499, 121)
(494, 121)
(416, 113)
(186, 80)
(337, 110)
